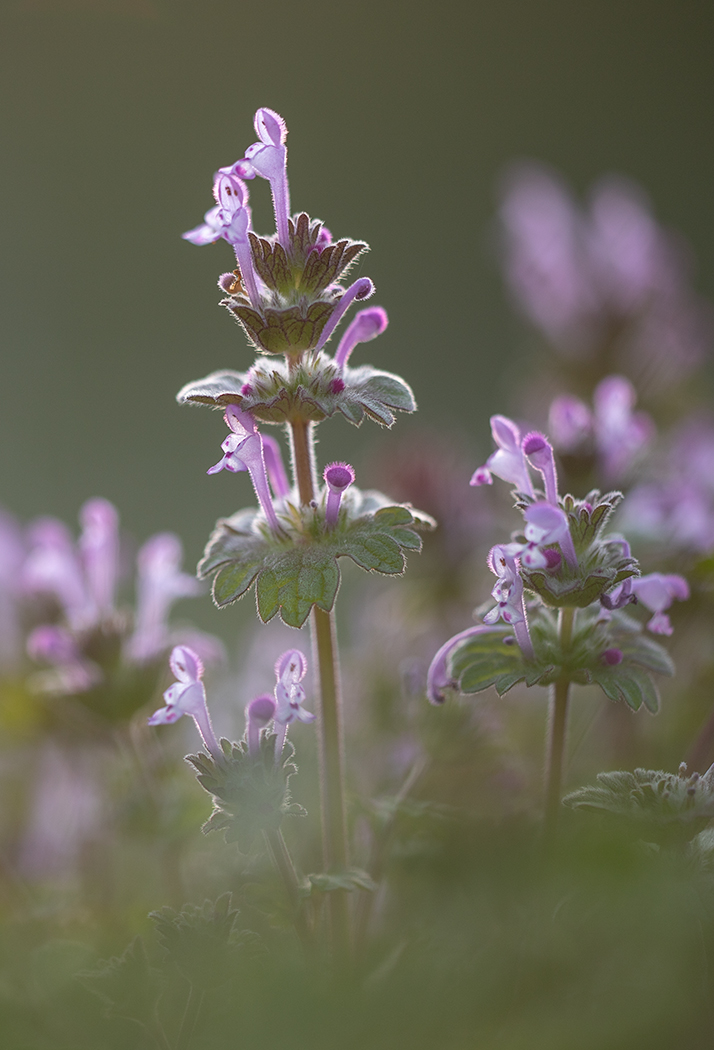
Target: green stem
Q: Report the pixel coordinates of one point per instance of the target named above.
(326, 658)
(190, 1017)
(556, 733)
(286, 869)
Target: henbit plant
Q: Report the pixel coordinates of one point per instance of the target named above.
(571, 628)
(286, 295)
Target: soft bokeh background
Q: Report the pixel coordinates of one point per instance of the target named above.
(402, 117)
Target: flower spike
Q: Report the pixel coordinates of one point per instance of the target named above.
(338, 478)
(365, 325)
(187, 696)
(243, 450)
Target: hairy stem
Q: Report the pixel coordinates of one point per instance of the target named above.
(326, 659)
(190, 1018)
(557, 725)
(286, 869)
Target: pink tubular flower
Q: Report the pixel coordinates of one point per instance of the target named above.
(230, 219)
(508, 592)
(55, 645)
(438, 680)
(362, 288)
(275, 467)
(546, 524)
(365, 325)
(160, 583)
(569, 422)
(539, 453)
(658, 592)
(187, 696)
(508, 461)
(243, 450)
(338, 478)
(258, 714)
(290, 669)
(99, 551)
(268, 158)
(620, 433)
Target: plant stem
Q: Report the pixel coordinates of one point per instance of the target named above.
(557, 725)
(190, 1017)
(286, 869)
(326, 658)
(303, 457)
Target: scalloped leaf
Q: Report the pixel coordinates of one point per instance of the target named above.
(299, 569)
(628, 683)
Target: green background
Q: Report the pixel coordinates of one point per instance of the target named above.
(402, 117)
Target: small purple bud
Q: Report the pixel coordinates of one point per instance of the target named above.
(337, 385)
(258, 714)
(338, 477)
(246, 390)
(612, 657)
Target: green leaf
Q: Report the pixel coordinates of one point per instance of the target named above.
(300, 580)
(375, 552)
(298, 568)
(628, 683)
(485, 660)
(234, 580)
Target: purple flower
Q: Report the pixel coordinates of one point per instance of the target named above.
(620, 434)
(274, 465)
(338, 478)
(587, 280)
(243, 450)
(508, 592)
(539, 453)
(55, 645)
(546, 524)
(438, 679)
(187, 696)
(658, 592)
(362, 288)
(290, 669)
(84, 584)
(160, 583)
(365, 325)
(569, 422)
(268, 158)
(258, 714)
(508, 462)
(230, 219)
(677, 509)
(99, 551)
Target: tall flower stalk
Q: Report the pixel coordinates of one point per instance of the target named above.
(287, 296)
